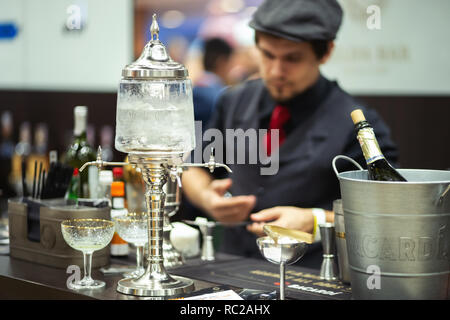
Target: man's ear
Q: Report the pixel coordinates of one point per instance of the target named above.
(328, 53)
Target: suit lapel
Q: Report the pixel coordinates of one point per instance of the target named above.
(247, 116)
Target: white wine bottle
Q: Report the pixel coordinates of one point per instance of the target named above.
(378, 167)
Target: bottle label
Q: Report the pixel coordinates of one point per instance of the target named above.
(80, 124)
(118, 203)
(369, 145)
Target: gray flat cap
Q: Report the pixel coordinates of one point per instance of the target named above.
(298, 20)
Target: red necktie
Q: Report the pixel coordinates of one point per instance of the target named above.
(280, 115)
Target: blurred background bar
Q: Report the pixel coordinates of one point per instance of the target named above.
(57, 54)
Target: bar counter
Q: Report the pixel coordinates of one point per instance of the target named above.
(21, 279)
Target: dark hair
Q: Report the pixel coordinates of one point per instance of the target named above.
(320, 47)
(213, 49)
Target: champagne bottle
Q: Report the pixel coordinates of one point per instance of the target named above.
(377, 166)
(80, 152)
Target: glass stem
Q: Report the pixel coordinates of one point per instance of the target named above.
(282, 270)
(87, 267)
(139, 258)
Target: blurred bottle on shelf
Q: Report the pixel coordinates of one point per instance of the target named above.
(93, 181)
(22, 151)
(6, 154)
(23, 147)
(105, 180)
(53, 156)
(38, 151)
(41, 139)
(80, 152)
(119, 247)
(72, 192)
(134, 187)
(90, 134)
(106, 141)
(6, 143)
(118, 176)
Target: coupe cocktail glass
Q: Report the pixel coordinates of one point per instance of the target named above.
(132, 227)
(284, 251)
(87, 236)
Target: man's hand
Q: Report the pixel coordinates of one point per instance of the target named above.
(223, 209)
(286, 217)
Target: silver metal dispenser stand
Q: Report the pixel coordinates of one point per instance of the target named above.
(172, 258)
(156, 282)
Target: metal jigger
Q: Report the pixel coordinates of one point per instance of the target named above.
(207, 229)
(328, 270)
(284, 252)
(172, 258)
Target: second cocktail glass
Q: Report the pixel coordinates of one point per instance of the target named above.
(132, 227)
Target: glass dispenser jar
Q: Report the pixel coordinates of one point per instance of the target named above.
(155, 112)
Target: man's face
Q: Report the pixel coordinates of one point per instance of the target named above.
(287, 67)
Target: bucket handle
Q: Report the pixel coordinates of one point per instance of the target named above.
(441, 198)
(345, 158)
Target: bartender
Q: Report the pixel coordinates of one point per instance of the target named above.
(294, 38)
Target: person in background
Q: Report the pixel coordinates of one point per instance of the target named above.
(217, 59)
(312, 115)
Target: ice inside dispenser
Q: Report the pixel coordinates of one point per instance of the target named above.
(155, 117)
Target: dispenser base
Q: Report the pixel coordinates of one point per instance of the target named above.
(154, 288)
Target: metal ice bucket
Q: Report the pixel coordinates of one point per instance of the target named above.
(398, 234)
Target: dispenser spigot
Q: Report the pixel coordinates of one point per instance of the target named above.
(99, 163)
(211, 164)
(175, 174)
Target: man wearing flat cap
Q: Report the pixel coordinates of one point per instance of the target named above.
(312, 114)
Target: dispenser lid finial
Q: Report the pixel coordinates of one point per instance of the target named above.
(154, 62)
(154, 28)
